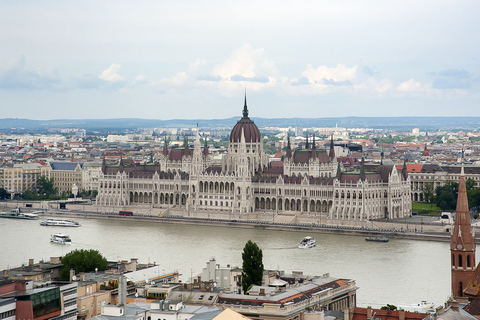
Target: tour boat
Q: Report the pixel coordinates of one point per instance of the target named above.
(377, 239)
(60, 238)
(60, 223)
(307, 242)
(17, 214)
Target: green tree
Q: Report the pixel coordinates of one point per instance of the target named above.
(446, 196)
(252, 266)
(427, 189)
(82, 261)
(389, 307)
(46, 187)
(3, 193)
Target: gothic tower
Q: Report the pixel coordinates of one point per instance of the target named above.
(462, 243)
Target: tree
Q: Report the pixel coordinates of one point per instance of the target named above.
(82, 261)
(252, 266)
(389, 307)
(427, 190)
(3, 193)
(446, 196)
(46, 187)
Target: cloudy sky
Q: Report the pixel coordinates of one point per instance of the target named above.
(194, 59)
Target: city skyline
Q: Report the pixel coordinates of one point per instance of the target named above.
(168, 60)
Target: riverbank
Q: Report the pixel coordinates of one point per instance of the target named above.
(258, 224)
(415, 228)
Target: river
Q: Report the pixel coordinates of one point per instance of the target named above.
(400, 272)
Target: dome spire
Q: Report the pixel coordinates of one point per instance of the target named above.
(245, 110)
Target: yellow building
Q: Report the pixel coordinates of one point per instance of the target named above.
(64, 175)
(90, 299)
(17, 178)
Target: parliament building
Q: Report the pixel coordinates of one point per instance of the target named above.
(308, 181)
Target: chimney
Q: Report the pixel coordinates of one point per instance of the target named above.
(401, 315)
(72, 274)
(122, 292)
(30, 262)
(369, 312)
(134, 263)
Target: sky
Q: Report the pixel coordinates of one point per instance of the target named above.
(195, 59)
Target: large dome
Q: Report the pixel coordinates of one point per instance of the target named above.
(250, 130)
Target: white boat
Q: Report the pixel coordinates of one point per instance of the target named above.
(60, 238)
(60, 223)
(18, 214)
(307, 242)
(423, 307)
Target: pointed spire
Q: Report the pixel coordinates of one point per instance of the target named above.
(339, 171)
(314, 150)
(165, 146)
(121, 162)
(307, 146)
(289, 148)
(462, 242)
(151, 157)
(205, 146)
(104, 163)
(331, 155)
(381, 155)
(404, 170)
(245, 110)
(362, 170)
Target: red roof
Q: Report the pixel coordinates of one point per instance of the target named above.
(365, 314)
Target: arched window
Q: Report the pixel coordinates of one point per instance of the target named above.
(468, 261)
(460, 262)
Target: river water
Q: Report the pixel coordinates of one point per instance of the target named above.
(400, 272)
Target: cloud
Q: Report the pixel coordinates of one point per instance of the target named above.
(209, 78)
(369, 71)
(453, 79)
(372, 85)
(238, 77)
(111, 74)
(338, 73)
(412, 86)
(300, 82)
(332, 82)
(193, 67)
(247, 62)
(19, 77)
(455, 73)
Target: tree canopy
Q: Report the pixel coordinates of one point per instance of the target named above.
(82, 261)
(46, 187)
(252, 266)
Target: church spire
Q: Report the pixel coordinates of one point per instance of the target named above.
(289, 148)
(314, 149)
(331, 155)
(462, 242)
(381, 155)
(339, 171)
(362, 170)
(307, 146)
(245, 110)
(404, 169)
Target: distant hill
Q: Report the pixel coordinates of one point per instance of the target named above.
(394, 123)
